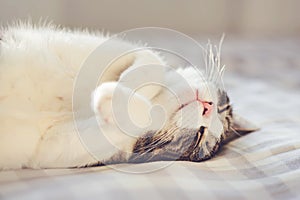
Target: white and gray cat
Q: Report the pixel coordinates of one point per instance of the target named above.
(38, 67)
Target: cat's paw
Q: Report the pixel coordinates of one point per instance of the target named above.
(115, 104)
(102, 102)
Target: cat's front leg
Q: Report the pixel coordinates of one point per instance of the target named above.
(146, 75)
(116, 105)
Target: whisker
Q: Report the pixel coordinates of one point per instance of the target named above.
(212, 59)
(160, 138)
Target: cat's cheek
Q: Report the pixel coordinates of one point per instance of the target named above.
(216, 126)
(189, 116)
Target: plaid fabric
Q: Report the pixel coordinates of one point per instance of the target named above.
(261, 165)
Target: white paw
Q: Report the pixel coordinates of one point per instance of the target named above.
(115, 104)
(102, 102)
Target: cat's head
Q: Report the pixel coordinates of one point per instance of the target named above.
(200, 117)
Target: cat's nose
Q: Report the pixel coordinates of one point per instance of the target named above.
(207, 108)
(207, 105)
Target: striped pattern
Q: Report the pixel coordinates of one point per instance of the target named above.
(225, 110)
(184, 144)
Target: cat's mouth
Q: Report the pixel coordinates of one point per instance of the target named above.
(207, 106)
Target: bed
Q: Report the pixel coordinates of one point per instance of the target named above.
(263, 80)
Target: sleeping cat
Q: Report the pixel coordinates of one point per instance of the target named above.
(38, 68)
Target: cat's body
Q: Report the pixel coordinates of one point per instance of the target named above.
(38, 67)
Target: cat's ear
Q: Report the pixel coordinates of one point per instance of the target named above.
(239, 128)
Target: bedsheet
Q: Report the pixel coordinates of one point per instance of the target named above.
(263, 81)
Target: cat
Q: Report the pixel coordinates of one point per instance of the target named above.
(38, 68)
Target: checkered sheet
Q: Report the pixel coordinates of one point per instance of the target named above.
(264, 84)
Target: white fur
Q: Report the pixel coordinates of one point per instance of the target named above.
(38, 66)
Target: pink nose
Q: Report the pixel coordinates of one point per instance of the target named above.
(208, 106)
